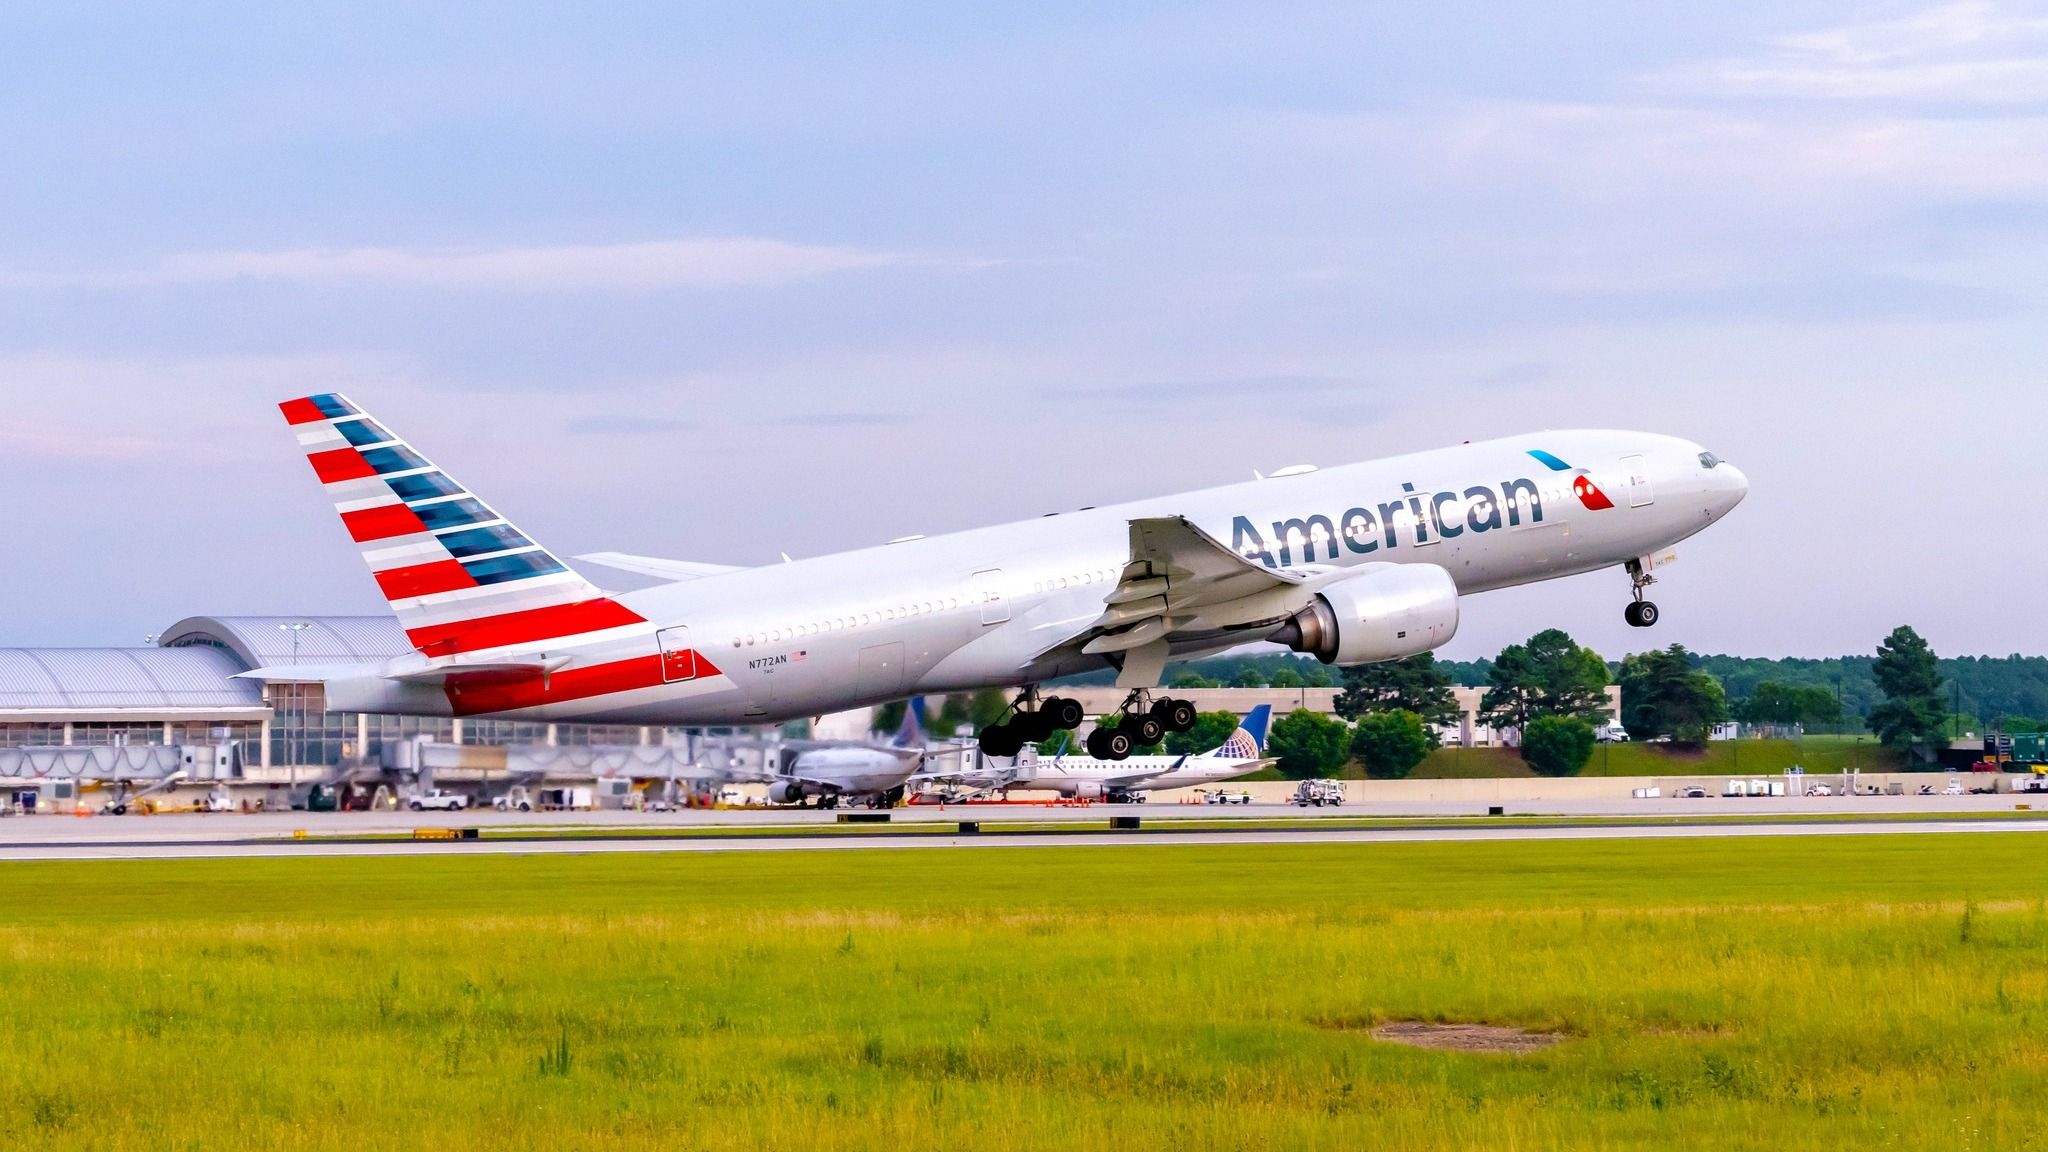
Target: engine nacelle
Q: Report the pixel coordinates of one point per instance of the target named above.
(1088, 790)
(1388, 613)
(785, 792)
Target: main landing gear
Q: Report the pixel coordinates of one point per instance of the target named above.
(1030, 721)
(1142, 720)
(1640, 613)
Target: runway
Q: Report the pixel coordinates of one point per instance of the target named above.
(220, 841)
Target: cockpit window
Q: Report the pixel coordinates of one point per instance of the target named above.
(1709, 460)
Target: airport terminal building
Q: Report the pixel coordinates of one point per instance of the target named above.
(179, 713)
(76, 713)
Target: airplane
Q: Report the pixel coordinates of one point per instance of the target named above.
(1354, 565)
(1090, 778)
(835, 772)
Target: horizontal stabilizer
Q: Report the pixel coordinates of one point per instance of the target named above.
(307, 673)
(655, 566)
(439, 673)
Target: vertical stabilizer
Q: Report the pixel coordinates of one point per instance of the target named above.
(459, 577)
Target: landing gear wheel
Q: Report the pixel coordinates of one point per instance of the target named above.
(1001, 740)
(1061, 713)
(1147, 729)
(1115, 743)
(1640, 614)
(1031, 727)
(1177, 715)
(1095, 745)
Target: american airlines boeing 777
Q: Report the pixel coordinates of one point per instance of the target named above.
(1354, 565)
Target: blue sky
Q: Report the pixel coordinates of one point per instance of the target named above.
(718, 282)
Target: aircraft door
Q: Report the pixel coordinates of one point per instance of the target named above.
(678, 659)
(1636, 471)
(988, 589)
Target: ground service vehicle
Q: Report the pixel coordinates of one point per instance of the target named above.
(1316, 793)
(437, 800)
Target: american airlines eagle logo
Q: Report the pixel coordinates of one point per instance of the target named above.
(1583, 487)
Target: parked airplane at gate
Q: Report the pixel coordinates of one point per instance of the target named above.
(1355, 564)
(839, 772)
(1090, 778)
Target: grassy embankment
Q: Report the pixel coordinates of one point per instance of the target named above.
(1778, 993)
(1817, 754)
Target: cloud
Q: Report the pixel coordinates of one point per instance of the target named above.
(629, 425)
(645, 266)
(844, 420)
(1975, 53)
(31, 439)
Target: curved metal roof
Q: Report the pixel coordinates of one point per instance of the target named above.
(261, 642)
(138, 681)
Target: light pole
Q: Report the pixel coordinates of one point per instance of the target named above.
(297, 746)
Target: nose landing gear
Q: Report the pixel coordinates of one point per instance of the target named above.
(1640, 613)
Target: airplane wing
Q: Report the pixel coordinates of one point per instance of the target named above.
(1179, 575)
(655, 566)
(1138, 779)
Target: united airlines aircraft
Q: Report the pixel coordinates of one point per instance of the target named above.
(1354, 565)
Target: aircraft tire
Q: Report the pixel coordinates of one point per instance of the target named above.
(1147, 729)
(1116, 743)
(1177, 715)
(1646, 615)
(1633, 614)
(1062, 712)
(1001, 740)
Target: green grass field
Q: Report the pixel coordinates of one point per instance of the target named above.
(1768, 993)
(1817, 754)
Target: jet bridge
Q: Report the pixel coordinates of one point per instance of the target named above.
(113, 762)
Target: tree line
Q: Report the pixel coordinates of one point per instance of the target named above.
(1549, 690)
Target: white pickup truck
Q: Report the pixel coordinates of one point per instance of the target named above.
(438, 801)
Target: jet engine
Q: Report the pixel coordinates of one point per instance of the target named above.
(1088, 790)
(1386, 613)
(785, 792)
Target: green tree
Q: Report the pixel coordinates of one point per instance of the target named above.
(1662, 694)
(1913, 712)
(2018, 724)
(1550, 675)
(1193, 679)
(1285, 678)
(1772, 702)
(1557, 745)
(986, 707)
(953, 713)
(1308, 744)
(1211, 730)
(888, 717)
(1415, 684)
(1390, 743)
(1250, 678)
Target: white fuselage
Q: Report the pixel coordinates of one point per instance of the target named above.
(1086, 776)
(976, 609)
(851, 771)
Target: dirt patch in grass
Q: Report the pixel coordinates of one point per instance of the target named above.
(1465, 1037)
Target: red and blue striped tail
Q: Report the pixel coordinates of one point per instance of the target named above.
(460, 577)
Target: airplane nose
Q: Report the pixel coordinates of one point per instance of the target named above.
(1729, 485)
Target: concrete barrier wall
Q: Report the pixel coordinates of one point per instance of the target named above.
(1566, 789)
